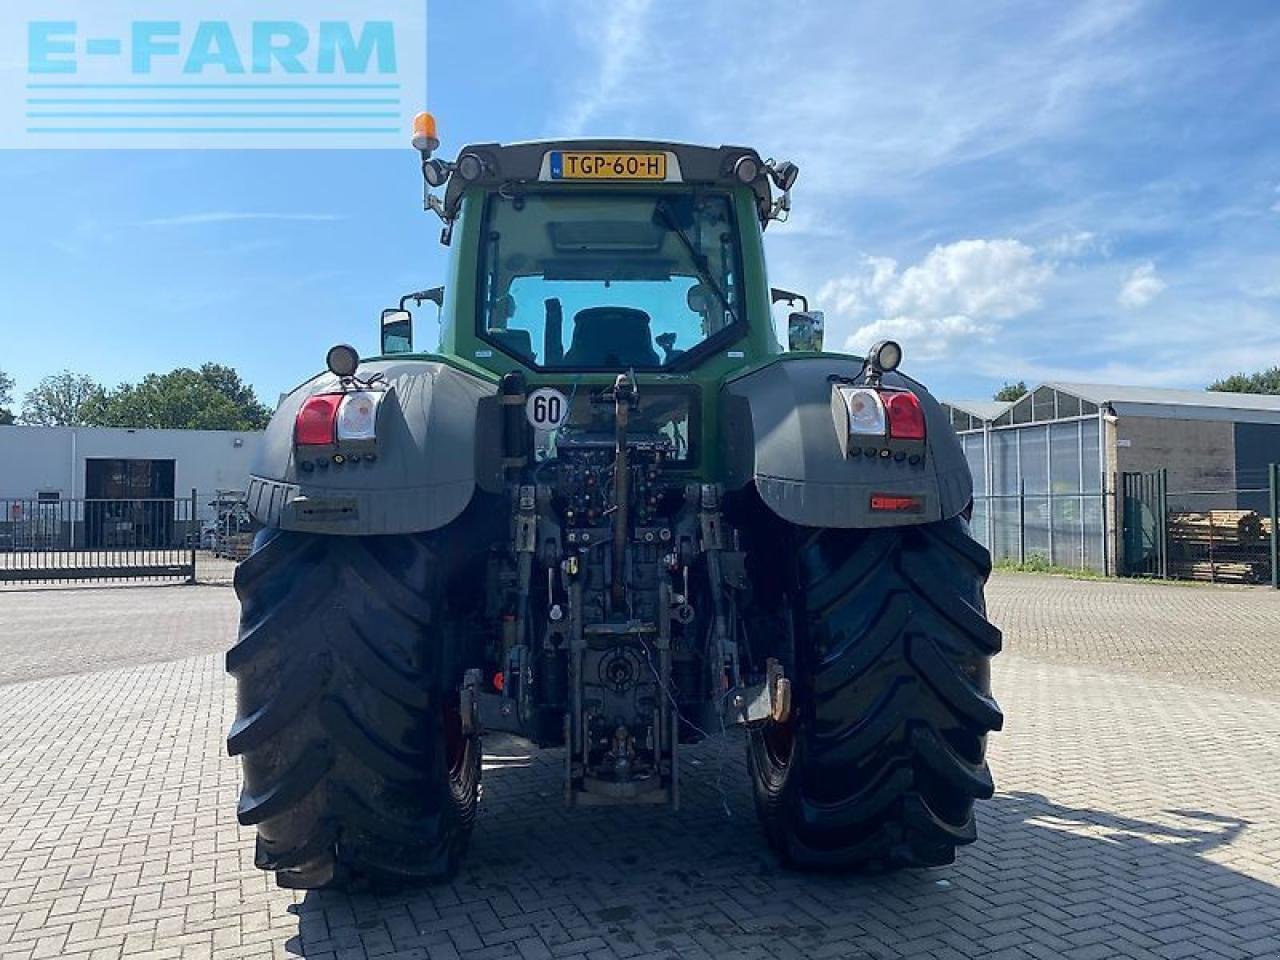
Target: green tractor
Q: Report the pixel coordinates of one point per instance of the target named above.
(611, 514)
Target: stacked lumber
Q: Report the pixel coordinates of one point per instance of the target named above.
(1223, 546)
(1227, 527)
(1219, 571)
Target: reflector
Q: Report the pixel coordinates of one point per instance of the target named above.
(896, 503)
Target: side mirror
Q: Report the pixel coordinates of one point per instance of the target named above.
(397, 331)
(804, 330)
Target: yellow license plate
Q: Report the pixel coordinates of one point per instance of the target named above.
(571, 165)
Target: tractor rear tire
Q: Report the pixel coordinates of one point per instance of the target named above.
(357, 772)
(884, 754)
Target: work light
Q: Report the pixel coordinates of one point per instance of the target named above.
(747, 168)
(342, 360)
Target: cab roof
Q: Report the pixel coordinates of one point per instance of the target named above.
(525, 162)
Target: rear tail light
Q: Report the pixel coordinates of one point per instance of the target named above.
(316, 423)
(906, 418)
(864, 409)
(335, 418)
(358, 415)
(861, 413)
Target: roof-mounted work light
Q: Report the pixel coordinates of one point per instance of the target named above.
(884, 356)
(342, 360)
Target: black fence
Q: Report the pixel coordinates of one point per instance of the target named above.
(1219, 536)
(50, 539)
(46, 540)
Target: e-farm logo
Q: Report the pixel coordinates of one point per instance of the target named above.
(212, 73)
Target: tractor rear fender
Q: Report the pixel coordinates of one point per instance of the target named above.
(779, 433)
(438, 440)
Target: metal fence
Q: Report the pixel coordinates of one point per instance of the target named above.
(1140, 527)
(44, 540)
(50, 539)
(1217, 535)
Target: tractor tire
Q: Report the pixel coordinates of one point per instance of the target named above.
(357, 772)
(879, 764)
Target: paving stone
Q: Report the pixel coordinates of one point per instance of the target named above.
(1137, 814)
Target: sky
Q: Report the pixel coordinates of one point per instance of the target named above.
(1015, 191)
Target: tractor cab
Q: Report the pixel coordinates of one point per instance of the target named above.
(601, 256)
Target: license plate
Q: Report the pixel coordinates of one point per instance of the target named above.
(572, 165)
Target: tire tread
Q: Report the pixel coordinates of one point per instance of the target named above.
(893, 625)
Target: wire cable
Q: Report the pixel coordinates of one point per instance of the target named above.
(721, 745)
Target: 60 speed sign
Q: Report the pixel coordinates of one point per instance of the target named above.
(547, 408)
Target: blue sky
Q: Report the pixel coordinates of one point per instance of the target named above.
(1016, 191)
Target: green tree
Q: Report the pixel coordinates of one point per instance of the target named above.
(1264, 381)
(211, 398)
(1011, 391)
(64, 399)
(6, 397)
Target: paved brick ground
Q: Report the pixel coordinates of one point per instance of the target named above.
(47, 631)
(1223, 637)
(1138, 812)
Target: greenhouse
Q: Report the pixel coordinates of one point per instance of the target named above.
(1038, 477)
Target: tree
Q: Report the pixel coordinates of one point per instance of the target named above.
(65, 399)
(1011, 391)
(211, 398)
(1265, 381)
(6, 397)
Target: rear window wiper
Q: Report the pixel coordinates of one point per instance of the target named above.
(699, 260)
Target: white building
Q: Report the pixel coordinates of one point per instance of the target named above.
(46, 473)
(111, 463)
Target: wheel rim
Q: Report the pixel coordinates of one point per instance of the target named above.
(456, 743)
(780, 742)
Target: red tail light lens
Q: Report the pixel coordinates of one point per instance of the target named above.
(316, 423)
(906, 419)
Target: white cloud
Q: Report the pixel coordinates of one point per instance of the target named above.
(227, 216)
(1141, 286)
(958, 291)
(1069, 246)
(922, 337)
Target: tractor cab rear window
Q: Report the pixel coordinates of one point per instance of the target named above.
(591, 280)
